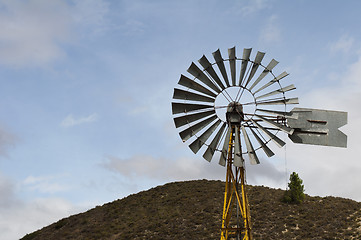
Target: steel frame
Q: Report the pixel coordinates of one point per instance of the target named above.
(235, 200)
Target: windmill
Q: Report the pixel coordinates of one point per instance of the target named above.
(236, 107)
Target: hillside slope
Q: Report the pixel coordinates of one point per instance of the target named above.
(192, 210)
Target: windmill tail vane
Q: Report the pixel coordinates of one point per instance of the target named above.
(237, 107)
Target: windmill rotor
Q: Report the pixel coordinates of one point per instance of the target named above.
(200, 103)
(237, 106)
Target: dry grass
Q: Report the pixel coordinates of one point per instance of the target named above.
(192, 210)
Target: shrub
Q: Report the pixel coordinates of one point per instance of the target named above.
(295, 193)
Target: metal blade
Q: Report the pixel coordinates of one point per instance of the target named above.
(181, 121)
(277, 125)
(278, 102)
(219, 60)
(223, 159)
(185, 107)
(318, 127)
(279, 113)
(268, 69)
(198, 143)
(266, 149)
(208, 154)
(238, 162)
(184, 81)
(197, 73)
(273, 137)
(279, 77)
(191, 131)
(251, 153)
(281, 90)
(256, 63)
(245, 59)
(209, 69)
(232, 64)
(181, 94)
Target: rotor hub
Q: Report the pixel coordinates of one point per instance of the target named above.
(234, 113)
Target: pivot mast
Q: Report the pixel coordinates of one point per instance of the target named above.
(236, 220)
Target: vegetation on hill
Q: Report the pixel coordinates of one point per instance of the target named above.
(192, 210)
(295, 193)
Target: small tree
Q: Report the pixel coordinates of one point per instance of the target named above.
(295, 192)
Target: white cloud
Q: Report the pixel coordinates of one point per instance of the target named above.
(32, 31)
(162, 168)
(44, 184)
(133, 28)
(6, 192)
(91, 15)
(35, 32)
(271, 33)
(267, 173)
(188, 169)
(7, 140)
(247, 8)
(70, 121)
(19, 217)
(343, 44)
(26, 217)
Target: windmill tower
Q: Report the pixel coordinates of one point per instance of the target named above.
(237, 112)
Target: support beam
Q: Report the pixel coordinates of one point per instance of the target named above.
(236, 220)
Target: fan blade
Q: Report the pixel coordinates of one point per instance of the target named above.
(266, 149)
(245, 59)
(277, 125)
(232, 64)
(181, 94)
(222, 160)
(208, 154)
(268, 69)
(279, 113)
(219, 60)
(273, 137)
(181, 121)
(251, 153)
(256, 63)
(209, 69)
(191, 131)
(184, 81)
(278, 102)
(279, 77)
(281, 90)
(238, 162)
(185, 107)
(197, 73)
(198, 143)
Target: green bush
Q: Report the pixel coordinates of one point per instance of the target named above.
(295, 193)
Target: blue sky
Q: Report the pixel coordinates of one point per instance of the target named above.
(86, 86)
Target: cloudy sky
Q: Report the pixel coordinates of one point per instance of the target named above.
(86, 86)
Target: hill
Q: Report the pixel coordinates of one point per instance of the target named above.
(192, 210)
